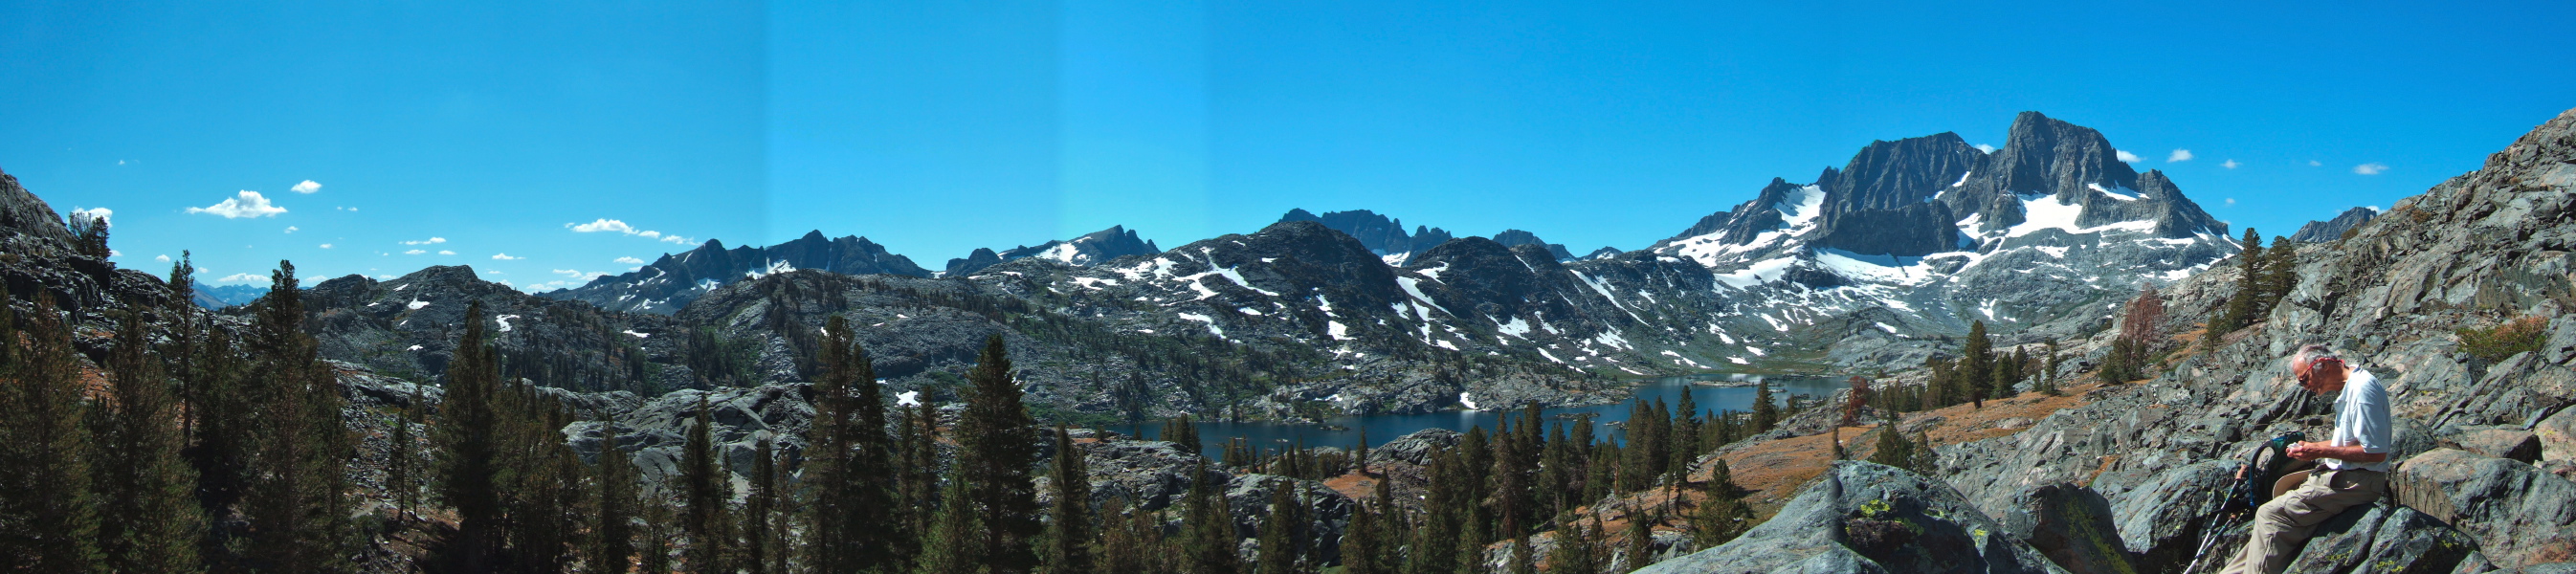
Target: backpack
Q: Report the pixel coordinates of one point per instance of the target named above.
(2264, 467)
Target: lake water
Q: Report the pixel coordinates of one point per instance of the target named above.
(1383, 428)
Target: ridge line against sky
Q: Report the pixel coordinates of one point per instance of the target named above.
(544, 145)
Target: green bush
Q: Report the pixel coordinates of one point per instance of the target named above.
(2496, 343)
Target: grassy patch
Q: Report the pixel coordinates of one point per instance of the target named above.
(2496, 343)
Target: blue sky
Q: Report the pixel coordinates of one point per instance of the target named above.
(938, 127)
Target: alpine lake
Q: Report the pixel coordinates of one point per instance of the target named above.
(1712, 393)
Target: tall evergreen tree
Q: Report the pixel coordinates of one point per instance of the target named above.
(151, 521)
(1070, 537)
(1765, 413)
(1977, 364)
(659, 519)
(708, 490)
(2250, 282)
(297, 495)
(858, 523)
(1283, 531)
(613, 533)
(995, 453)
(1180, 430)
(1574, 550)
(2280, 273)
(48, 520)
(1520, 562)
(468, 419)
(1209, 527)
(760, 548)
(1722, 515)
(1641, 540)
(1361, 551)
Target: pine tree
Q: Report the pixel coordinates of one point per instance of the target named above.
(1838, 444)
(1520, 562)
(1209, 527)
(1765, 414)
(150, 517)
(467, 448)
(1361, 553)
(1893, 450)
(2240, 308)
(852, 506)
(1683, 436)
(2281, 273)
(707, 490)
(1641, 538)
(1179, 430)
(48, 520)
(655, 557)
(1574, 551)
(1283, 530)
(1722, 514)
(2048, 374)
(296, 501)
(761, 508)
(613, 533)
(1977, 364)
(995, 452)
(1070, 538)
(399, 458)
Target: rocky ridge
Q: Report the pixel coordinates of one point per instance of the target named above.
(2334, 229)
(671, 282)
(1112, 243)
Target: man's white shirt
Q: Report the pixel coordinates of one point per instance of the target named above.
(2361, 418)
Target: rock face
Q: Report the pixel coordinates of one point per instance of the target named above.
(1930, 233)
(2333, 229)
(1377, 233)
(408, 327)
(669, 283)
(1864, 517)
(1095, 247)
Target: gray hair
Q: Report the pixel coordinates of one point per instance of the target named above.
(2308, 354)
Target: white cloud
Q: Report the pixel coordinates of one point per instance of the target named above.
(98, 213)
(307, 187)
(2179, 155)
(326, 246)
(162, 258)
(505, 257)
(292, 229)
(414, 252)
(1988, 148)
(2315, 163)
(630, 261)
(605, 225)
(2372, 168)
(2231, 164)
(446, 252)
(429, 241)
(2231, 201)
(569, 272)
(247, 204)
(2124, 155)
(243, 278)
(494, 272)
(384, 277)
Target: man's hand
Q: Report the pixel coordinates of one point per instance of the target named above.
(2317, 450)
(2303, 451)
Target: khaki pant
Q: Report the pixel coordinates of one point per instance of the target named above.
(2283, 524)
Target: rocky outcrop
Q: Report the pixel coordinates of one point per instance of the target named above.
(2334, 229)
(2071, 525)
(1864, 517)
(2519, 515)
(408, 327)
(670, 283)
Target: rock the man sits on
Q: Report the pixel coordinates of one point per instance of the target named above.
(2352, 464)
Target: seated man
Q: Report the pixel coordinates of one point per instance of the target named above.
(2352, 464)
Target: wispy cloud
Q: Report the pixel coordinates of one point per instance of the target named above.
(630, 261)
(292, 229)
(162, 258)
(247, 204)
(429, 241)
(243, 278)
(505, 257)
(603, 224)
(2315, 163)
(2124, 155)
(446, 252)
(326, 246)
(2231, 164)
(307, 187)
(2372, 168)
(414, 252)
(2231, 201)
(2179, 155)
(1988, 148)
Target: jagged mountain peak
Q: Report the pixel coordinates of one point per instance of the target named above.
(2334, 229)
(1090, 248)
(22, 214)
(1516, 238)
(1382, 235)
(673, 280)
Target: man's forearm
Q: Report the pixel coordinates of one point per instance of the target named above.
(2344, 453)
